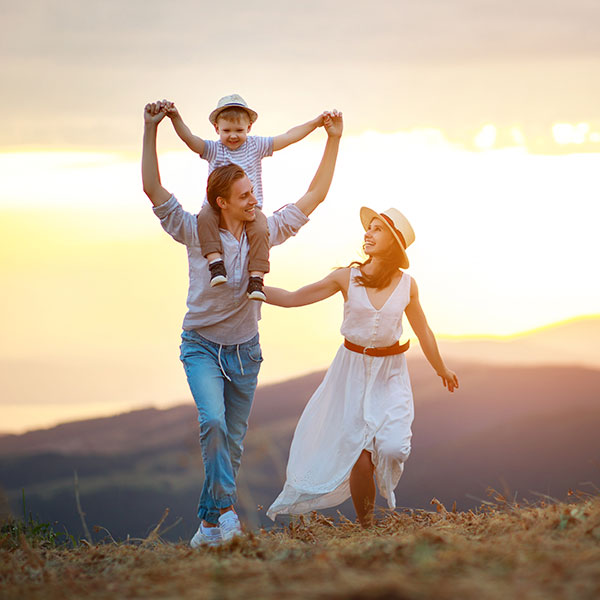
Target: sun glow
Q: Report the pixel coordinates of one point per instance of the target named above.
(565, 133)
(96, 290)
(486, 138)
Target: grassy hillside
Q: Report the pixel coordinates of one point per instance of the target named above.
(528, 431)
(500, 551)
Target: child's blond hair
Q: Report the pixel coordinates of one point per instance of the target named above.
(234, 114)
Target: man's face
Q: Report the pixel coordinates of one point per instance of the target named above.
(233, 133)
(241, 202)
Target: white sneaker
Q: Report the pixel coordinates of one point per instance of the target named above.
(229, 525)
(206, 536)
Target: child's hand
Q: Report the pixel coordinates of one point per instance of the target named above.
(449, 379)
(320, 120)
(169, 109)
(333, 123)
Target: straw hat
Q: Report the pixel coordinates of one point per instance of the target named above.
(231, 100)
(396, 222)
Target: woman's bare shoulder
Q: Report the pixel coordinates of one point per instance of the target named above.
(342, 277)
(341, 273)
(414, 290)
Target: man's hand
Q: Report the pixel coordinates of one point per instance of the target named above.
(333, 123)
(153, 114)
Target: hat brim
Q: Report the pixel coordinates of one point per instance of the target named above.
(214, 115)
(367, 215)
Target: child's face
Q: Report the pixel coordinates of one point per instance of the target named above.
(233, 133)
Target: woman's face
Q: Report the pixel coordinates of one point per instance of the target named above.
(378, 239)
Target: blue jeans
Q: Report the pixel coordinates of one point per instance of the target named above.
(223, 381)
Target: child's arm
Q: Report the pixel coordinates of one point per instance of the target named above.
(417, 320)
(193, 142)
(295, 134)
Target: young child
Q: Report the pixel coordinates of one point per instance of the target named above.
(232, 120)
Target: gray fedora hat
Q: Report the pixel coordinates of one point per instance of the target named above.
(231, 100)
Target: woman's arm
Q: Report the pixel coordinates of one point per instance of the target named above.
(308, 294)
(417, 320)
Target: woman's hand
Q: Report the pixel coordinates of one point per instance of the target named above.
(449, 379)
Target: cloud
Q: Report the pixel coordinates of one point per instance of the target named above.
(78, 73)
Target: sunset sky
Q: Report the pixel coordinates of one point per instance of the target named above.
(480, 120)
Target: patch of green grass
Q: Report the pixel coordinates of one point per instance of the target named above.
(36, 533)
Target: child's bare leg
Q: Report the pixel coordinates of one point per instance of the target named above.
(258, 256)
(210, 244)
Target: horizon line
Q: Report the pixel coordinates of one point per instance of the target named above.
(521, 333)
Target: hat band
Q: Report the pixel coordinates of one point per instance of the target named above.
(398, 233)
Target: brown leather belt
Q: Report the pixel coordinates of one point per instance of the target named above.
(384, 351)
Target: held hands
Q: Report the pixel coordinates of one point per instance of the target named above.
(155, 112)
(169, 109)
(319, 120)
(449, 379)
(333, 123)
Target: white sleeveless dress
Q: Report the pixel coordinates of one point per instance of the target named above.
(363, 403)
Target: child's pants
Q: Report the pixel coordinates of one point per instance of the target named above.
(257, 232)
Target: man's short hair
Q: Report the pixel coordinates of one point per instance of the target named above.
(234, 114)
(220, 181)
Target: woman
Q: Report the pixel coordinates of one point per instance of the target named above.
(357, 423)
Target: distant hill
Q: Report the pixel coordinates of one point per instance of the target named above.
(526, 430)
(575, 342)
(119, 387)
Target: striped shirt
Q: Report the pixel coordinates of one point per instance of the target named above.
(247, 156)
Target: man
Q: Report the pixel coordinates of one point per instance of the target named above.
(220, 350)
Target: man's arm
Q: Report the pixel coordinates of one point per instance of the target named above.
(295, 134)
(319, 186)
(193, 142)
(150, 175)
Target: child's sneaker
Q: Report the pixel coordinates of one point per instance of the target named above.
(206, 536)
(218, 274)
(255, 289)
(229, 525)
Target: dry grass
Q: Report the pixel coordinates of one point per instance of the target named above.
(503, 551)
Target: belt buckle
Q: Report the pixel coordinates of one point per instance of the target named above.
(365, 353)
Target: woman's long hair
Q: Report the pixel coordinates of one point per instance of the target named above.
(390, 264)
